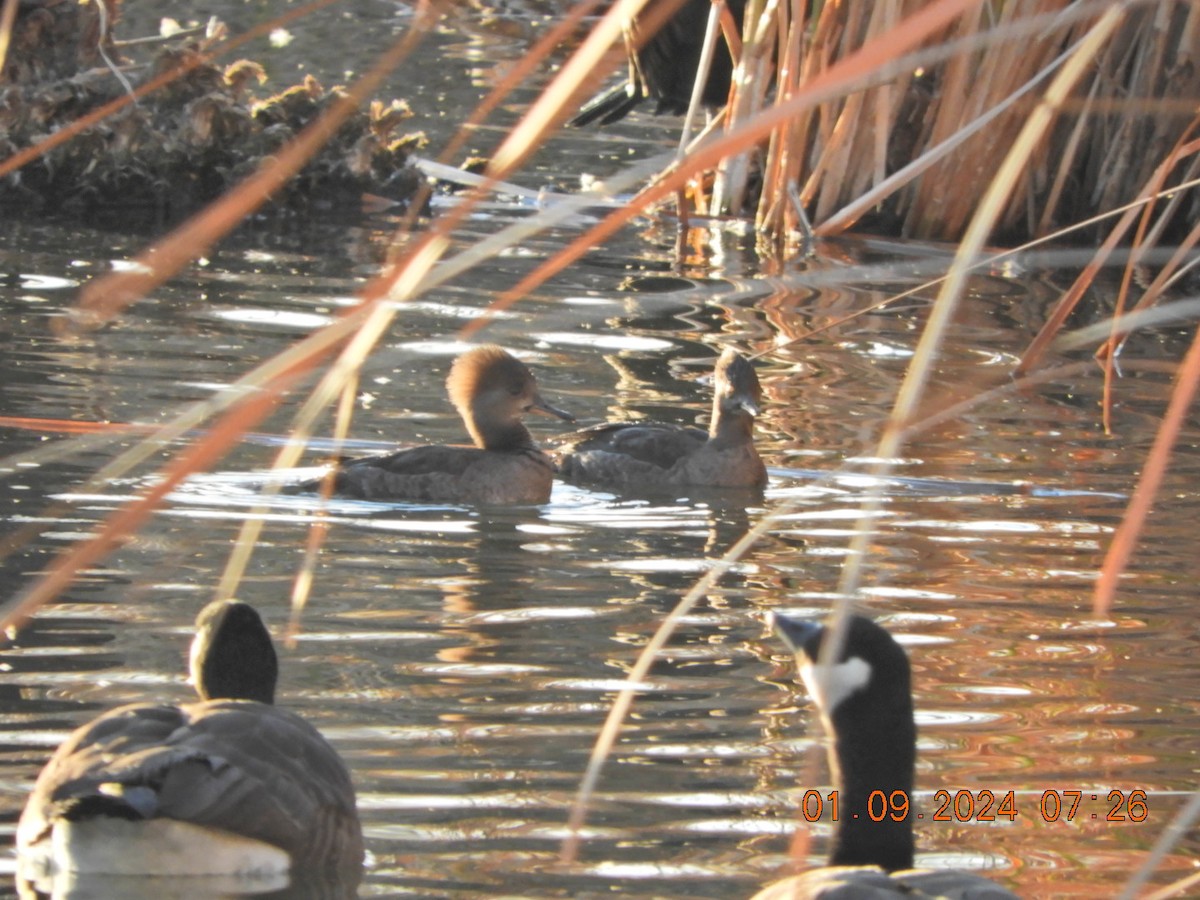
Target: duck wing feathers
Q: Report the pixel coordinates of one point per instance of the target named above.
(448, 458)
(653, 443)
(449, 474)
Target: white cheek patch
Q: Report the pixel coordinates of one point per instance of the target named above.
(194, 655)
(830, 685)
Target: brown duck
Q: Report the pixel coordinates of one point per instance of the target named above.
(492, 391)
(654, 457)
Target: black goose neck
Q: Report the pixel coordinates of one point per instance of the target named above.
(232, 654)
(874, 757)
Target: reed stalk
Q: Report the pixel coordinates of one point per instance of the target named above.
(1101, 149)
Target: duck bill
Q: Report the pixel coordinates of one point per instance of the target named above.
(541, 406)
(747, 403)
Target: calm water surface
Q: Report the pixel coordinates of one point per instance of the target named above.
(463, 660)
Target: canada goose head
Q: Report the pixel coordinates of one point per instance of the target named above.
(863, 692)
(862, 688)
(232, 656)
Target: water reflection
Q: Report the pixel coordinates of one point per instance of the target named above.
(463, 660)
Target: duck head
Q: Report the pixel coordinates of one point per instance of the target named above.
(493, 391)
(736, 396)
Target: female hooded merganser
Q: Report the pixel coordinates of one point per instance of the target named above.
(231, 785)
(492, 390)
(655, 457)
(865, 701)
(665, 68)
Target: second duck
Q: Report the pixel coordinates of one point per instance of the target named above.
(654, 457)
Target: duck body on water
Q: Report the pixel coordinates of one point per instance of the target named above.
(865, 700)
(493, 391)
(230, 785)
(648, 457)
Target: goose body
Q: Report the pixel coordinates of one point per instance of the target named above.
(664, 67)
(230, 785)
(654, 457)
(872, 883)
(864, 697)
(492, 391)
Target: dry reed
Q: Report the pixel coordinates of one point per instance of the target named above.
(1106, 139)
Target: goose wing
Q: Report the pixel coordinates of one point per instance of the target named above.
(237, 766)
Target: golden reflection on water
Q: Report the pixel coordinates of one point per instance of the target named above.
(462, 661)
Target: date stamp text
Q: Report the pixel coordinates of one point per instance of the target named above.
(985, 806)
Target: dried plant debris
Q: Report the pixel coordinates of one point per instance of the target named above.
(184, 144)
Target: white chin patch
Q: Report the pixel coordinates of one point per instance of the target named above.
(830, 685)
